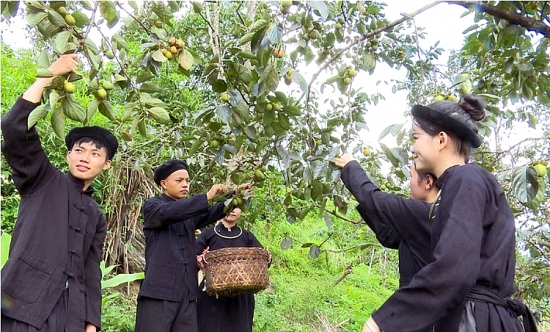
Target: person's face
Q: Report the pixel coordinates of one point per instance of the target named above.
(424, 150)
(233, 216)
(86, 161)
(418, 186)
(176, 185)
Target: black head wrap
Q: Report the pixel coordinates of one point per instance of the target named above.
(167, 168)
(101, 134)
(447, 122)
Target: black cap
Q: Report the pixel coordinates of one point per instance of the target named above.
(447, 122)
(101, 134)
(167, 168)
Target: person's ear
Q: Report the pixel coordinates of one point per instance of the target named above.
(444, 140)
(163, 184)
(106, 165)
(429, 182)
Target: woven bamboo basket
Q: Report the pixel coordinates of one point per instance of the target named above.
(234, 271)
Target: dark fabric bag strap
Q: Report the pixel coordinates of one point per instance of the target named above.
(484, 294)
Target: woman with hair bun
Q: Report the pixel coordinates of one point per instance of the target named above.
(467, 286)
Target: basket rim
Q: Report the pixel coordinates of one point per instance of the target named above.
(233, 250)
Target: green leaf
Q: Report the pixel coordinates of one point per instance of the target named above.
(328, 220)
(298, 78)
(5, 241)
(80, 19)
(270, 77)
(246, 38)
(37, 114)
(185, 59)
(109, 12)
(120, 41)
(286, 243)
(58, 122)
(197, 6)
(121, 279)
(284, 121)
(158, 56)
(72, 109)
(524, 183)
(36, 17)
(56, 19)
(160, 115)
(44, 73)
(275, 33)
(61, 42)
(106, 108)
(92, 108)
(149, 87)
(314, 250)
(320, 7)
(269, 117)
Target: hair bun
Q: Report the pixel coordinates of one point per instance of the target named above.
(474, 105)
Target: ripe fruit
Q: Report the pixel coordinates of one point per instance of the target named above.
(279, 52)
(101, 93)
(224, 97)
(70, 19)
(180, 43)
(312, 34)
(106, 85)
(352, 72)
(173, 49)
(172, 41)
(347, 80)
(167, 54)
(109, 54)
(541, 169)
(439, 97)
(277, 106)
(366, 151)
(383, 187)
(68, 87)
(269, 107)
(62, 10)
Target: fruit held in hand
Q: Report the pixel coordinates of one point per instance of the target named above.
(68, 87)
(541, 169)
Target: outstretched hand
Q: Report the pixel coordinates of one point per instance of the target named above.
(215, 191)
(343, 160)
(67, 63)
(201, 260)
(248, 188)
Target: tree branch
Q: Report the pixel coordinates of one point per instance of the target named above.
(405, 18)
(527, 22)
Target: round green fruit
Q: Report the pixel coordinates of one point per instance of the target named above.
(101, 93)
(269, 107)
(541, 169)
(70, 19)
(68, 87)
(62, 10)
(106, 85)
(439, 98)
(277, 106)
(214, 144)
(109, 54)
(224, 97)
(347, 81)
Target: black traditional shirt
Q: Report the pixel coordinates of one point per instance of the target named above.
(399, 223)
(169, 227)
(220, 314)
(473, 242)
(57, 239)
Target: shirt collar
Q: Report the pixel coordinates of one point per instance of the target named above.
(79, 184)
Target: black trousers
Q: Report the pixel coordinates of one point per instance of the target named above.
(155, 315)
(56, 322)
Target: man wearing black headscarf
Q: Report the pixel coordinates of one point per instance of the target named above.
(52, 279)
(167, 297)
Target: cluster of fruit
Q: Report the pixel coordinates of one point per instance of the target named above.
(349, 74)
(175, 46)
(340, 23)
(68, 17)
(372, 44)
(441, 96)
(278, 52)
